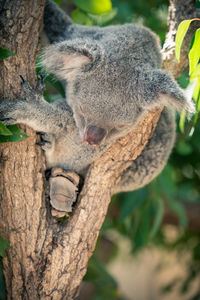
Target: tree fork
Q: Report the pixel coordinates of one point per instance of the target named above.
(48, 259)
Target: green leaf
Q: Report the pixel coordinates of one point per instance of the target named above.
(103, 19)
(4, 130)
(179, 209)
(2, 283)
(158, 218)
(3, 245)
(59, 2)
(183, 148)
(181, 32)
(194, 53)
(79, 17)
(196, 90)
(56, 84)
(131, 201)
(98, 274)
(17, 135)
(195, 73)
(94, 6)
(4, 53)
(141, 237)
(182, 121)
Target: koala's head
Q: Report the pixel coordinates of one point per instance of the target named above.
(112, 82)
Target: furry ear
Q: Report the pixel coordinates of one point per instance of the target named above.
(163, 90)
(67, 58)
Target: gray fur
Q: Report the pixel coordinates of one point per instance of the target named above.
(113, 78)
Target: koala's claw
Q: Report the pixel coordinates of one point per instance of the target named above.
(40, 84)
(29, 91)
(63, 191)
(22, 79)
(7, 121)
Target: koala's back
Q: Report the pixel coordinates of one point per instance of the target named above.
(139, 43)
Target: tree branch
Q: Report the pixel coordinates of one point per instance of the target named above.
(48, 259)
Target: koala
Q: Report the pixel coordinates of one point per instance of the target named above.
(113, 78)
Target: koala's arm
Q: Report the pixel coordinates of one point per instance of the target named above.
(153, 158)
(157, 87)
(35, 112)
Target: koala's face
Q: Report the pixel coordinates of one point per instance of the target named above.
(103, 107)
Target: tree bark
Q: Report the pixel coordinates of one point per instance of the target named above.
(48, 259)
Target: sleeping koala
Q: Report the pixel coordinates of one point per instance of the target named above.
(113, 79)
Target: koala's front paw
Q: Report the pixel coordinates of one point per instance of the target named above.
(63, 191)
(8, 113)
(29, 91)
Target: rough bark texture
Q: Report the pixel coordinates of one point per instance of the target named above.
(48, 259)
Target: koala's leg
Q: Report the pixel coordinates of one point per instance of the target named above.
(153, 158)
(34, 111)
(63, 191)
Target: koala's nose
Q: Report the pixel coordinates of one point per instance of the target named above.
(94, 135)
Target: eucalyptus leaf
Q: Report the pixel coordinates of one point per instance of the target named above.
(3, 246)
(4, 53)
(98, 274)
(80, 17)
(182, 121)
(141, 237)
(158, 218)
(94, 6)
(103, 18)
(2, 283)
(194, 53)
(4, 130)
(17, 135)
(196, 89)
(56, 84)
(179, 209)
(195, 73)
(183, 148)
(131, 201)
(181, 32)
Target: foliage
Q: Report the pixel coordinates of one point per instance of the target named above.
(94, 6)
(194, 65)
(11, 133)
(3, 246)
(4, 53)
(106, 285)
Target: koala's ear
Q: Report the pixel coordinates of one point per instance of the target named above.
(68, 58)
(163, 90)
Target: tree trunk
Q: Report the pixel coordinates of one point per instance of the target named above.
(48, 259)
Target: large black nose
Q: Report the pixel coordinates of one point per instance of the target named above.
(94, 135)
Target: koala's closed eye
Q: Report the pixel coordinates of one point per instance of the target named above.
(121, 127)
